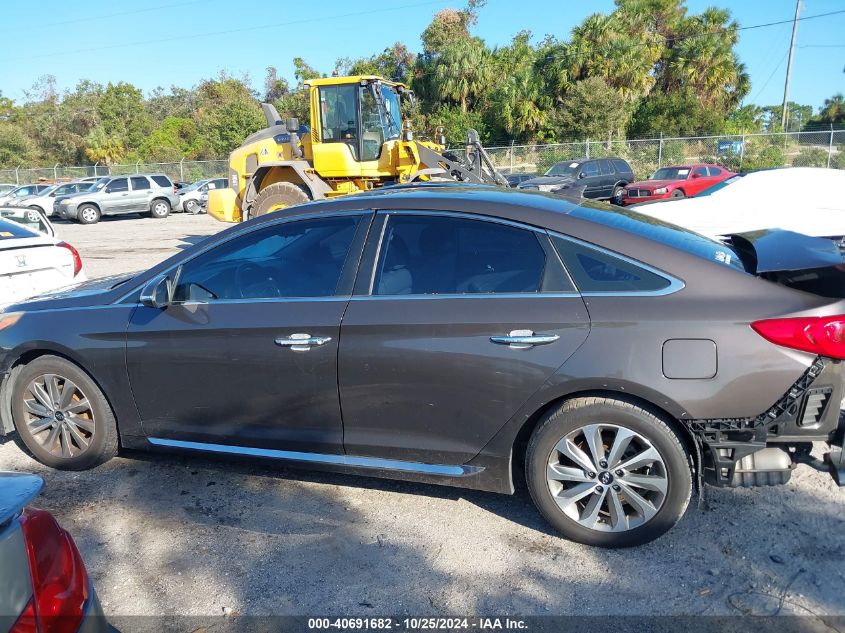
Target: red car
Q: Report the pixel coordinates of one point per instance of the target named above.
(676, 181)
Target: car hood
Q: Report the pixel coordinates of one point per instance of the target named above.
(94, 292)
(548, 180)
(717, 216)
(652, 184)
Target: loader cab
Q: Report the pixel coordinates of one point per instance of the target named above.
(352, 121)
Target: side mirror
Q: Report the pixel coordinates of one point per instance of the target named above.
(696, 175)
(582, 175)
(156, 294)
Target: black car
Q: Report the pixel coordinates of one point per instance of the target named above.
(453, 335)
(594, 178)
(515, 179)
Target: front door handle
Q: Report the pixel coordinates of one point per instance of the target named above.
(301, 342)
(524, 339)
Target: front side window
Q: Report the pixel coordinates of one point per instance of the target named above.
(302, 258)
(595, 270)
(338, 110)
(139, 183)
(117, 185)
(588, 170)
(431, 255)
(700, 172)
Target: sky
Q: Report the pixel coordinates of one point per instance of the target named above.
(152, 43)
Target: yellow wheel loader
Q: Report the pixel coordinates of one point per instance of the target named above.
(357, 141)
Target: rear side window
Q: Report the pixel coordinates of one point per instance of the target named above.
(595, 270)
(621, 166)
(700, 172)
(431, 255)
(139, 183)
(714, 171)
(162, 181)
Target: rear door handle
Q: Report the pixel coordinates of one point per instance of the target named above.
(524, 339)
(301, 342)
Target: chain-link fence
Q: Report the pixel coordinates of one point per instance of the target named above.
(185, 170)
(740, 152)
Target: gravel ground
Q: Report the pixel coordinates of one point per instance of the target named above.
(186, 535)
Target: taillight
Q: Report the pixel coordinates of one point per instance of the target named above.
(27, 622)
(59, 578)
(77, 260)
(824, 336)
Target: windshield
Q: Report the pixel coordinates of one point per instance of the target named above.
(102, 182)
(195, 185)
(10, 229)
(26, 217)
(671, 173)
(392, 114)
(718, 186)
(564, 169)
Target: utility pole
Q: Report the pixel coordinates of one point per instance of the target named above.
(789, 65)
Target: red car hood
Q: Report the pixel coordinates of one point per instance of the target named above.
(652, 184)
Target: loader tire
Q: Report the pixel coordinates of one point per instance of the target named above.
(279, 195)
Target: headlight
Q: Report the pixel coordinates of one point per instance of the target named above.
(661, 190)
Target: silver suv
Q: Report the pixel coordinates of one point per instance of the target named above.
(117, 195)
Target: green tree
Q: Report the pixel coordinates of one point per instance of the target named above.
(590, 109)
(833, 110)
(464, 73)
(104, 148)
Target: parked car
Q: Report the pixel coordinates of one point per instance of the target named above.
(45, 584)
(6, 187)
(33, 261)
(676, 181)
(515, 179)
(194, 197)
(452, 327)
(44, 201)
(21, 192)
(801, 199)
(597, 178)
(118, 195)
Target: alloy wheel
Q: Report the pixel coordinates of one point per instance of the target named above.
(59, 416)
(89, 214)
(607, 477)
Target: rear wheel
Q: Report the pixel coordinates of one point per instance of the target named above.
(606, 472)
(62, 416)
(678, 193)
(192, 207)
(279, 195)
(160, 208)
(618, 190)
(88, 214)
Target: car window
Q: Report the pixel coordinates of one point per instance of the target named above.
(589, 169)
(714, 171)
(605, 168)
(12, 229)
(621, 166)
(303, 258)
(118, 184)
(162, 181)
(595, 270)
(700, 171)
(221, 183)
(424, 255)
(139, 183)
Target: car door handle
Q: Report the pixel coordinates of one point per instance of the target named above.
(523, 339)
(300, 342)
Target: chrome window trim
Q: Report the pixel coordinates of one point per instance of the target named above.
(262, 300)
(238, 234)
(674, 286)
(473, 295)
(378, 463)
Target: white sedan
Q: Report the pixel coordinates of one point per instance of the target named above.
(32, 259)
(805, 200)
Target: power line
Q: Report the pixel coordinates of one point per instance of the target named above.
(246, 29)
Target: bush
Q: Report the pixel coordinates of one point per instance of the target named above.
(813, 157)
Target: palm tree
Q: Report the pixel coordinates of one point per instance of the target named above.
(464, 72)
(834, 109)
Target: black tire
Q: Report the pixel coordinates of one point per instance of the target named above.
(618, 191)
(159, 208)
(102, 442)
(89, 210)
(35, 207)
(580, 412)
(678, 193)
(279, 195)
(192, 206)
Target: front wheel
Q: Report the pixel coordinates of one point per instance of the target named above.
(678, 193)
(88, 214)
(279, 195)
(160, 208)
(192, 207)
(61, 415)
(608, 473)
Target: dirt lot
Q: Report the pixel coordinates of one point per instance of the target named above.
(188, 535)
